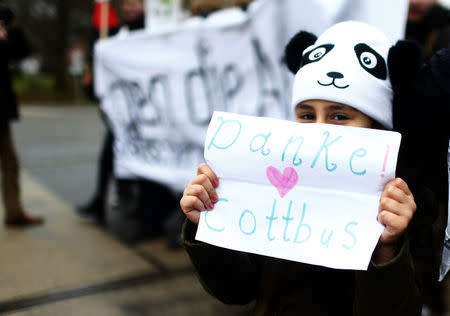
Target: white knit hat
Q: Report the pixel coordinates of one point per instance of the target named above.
(348, 64)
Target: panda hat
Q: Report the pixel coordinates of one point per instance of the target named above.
(346, 64)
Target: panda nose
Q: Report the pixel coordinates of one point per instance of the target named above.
(335, 75)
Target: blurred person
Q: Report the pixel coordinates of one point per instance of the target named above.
(154, 202)
(243, 4)
(429, 25)
(427, 92)
(13, 47)
(205, 7)
(96, 205)
(133, 17)
(133, 14)
(148, 200)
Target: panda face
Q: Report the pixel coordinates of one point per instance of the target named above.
(368, 59)
(347, 64)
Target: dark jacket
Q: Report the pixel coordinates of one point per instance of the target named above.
(14, 48)
(433, 32)
(286, 288)
(421, 115)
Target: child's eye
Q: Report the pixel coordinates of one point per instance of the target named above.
(339, 117)
(306, 117)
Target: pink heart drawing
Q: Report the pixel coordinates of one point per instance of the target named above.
(285, 181)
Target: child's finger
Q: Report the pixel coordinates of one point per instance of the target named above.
(192, 206)
(394, 225)
(206, 170)
(200, 192)
(402, 185)
(205, 182)
(393, 192)
(392, 206)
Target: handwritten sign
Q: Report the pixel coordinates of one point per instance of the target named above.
(301, 192)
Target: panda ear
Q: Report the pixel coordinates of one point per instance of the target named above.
(404, 61)
(295, 47)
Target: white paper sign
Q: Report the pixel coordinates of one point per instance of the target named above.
(302, 192)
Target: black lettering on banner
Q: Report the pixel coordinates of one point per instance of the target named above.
(232, 82)
(266, 79)
(163, 102)
(135, 100)
(162, 152)
(203, 74)
(188, 153)
(207, 87)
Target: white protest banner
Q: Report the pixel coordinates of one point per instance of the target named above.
(301, 192)
(317, 15)
(388, 16)
(160, 90)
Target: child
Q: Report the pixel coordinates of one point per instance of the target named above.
(341, 78)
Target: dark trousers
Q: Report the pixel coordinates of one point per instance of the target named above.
(105, 166)
(10, 174)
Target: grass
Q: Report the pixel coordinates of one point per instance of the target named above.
(41, 88)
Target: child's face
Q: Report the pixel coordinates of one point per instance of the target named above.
(321, 111)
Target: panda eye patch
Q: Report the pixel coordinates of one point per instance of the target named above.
(316, 54)
(371, 61)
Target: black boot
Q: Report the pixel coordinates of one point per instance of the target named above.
(94, 210)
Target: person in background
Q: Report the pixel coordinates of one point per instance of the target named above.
(429, 25)
(204, 7)
(146, 201)
(133, 14)
(13, 47)
(95, 207)
(243, 4)
(133, 17)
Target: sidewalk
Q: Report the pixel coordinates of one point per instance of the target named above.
(69, 266)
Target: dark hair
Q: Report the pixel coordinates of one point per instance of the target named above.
(6, 15)
(376, 125)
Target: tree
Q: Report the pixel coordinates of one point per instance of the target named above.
(52, 25)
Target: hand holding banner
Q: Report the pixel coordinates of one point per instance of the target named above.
(301, 192)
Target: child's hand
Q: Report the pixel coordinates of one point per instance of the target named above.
(200, 194)
(396, 210)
